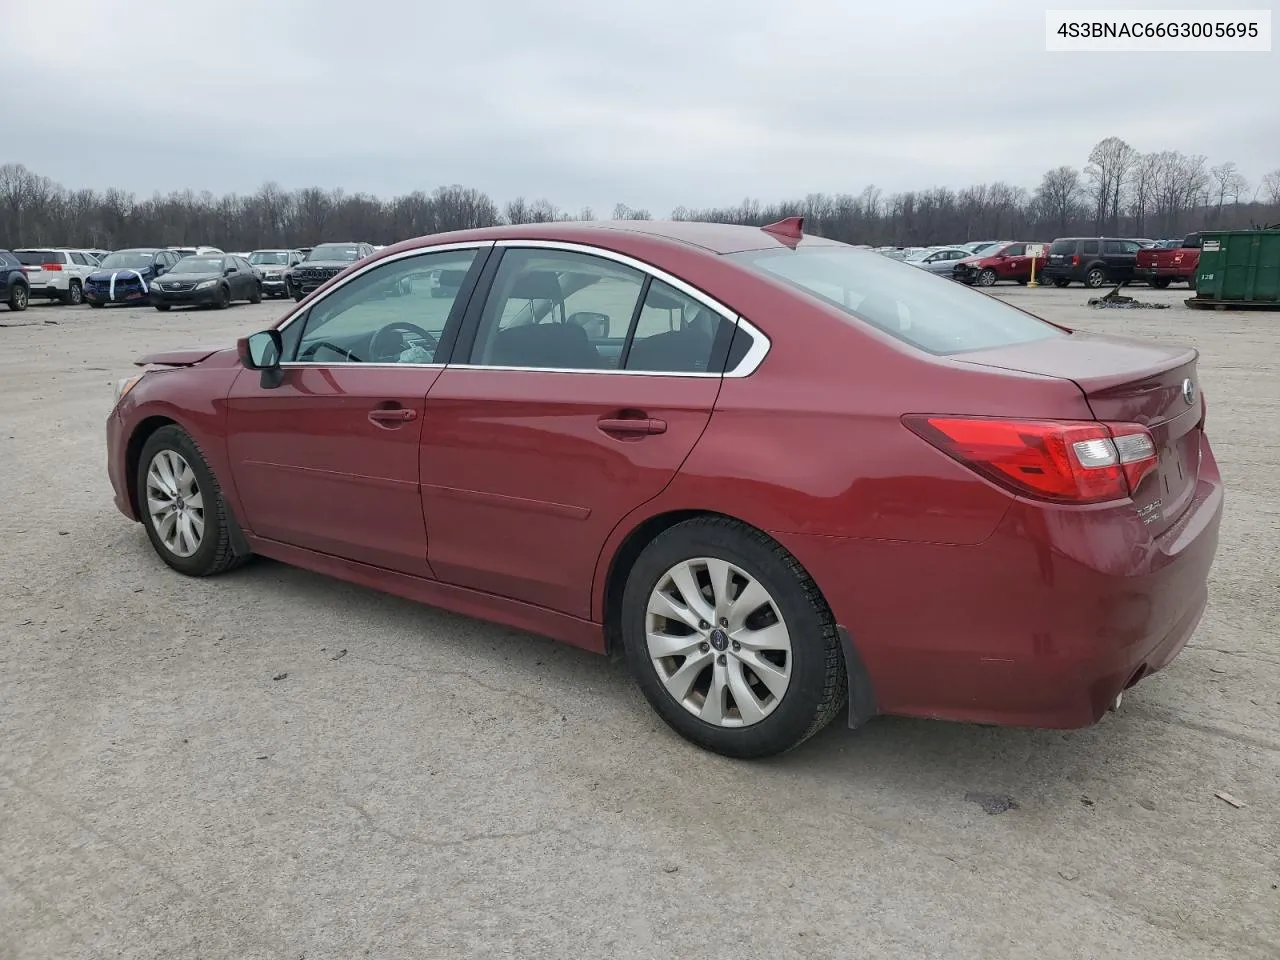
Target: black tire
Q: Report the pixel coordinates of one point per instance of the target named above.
(256, 296)
(1161, 283)
(19, 297)
(987, 277)
(162, 307)
(216, 554)
(223, 299)
(74, 295)
(818, 685)
(95, 304)
(1061, 282)
(297, 297)
(1096, 277)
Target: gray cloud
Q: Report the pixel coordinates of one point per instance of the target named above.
(588, 103)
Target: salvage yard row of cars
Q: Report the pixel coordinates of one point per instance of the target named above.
(167, 277)
(1092, 261)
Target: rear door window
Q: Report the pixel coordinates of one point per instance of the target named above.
(1089, 246)
(1113, 246)
(929, 313)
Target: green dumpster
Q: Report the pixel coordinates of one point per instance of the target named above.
(1238, 269)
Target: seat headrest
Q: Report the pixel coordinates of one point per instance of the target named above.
(537, 285)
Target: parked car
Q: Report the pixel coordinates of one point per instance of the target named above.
(323, 263)
(207, 281)
(1004, 262)
(1093, 261)
(98, 254)
(272, 264)
(589, 442)
(57, 273)
(125, 276)
(196, 251)
(1161, 265)
(978, 247)
(940, 260)
(15, 290)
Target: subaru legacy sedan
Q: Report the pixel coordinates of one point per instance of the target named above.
(786, 479)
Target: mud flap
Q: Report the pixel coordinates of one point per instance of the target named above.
(862, 701)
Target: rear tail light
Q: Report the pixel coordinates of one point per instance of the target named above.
(1062, 461)
(1075, 261)
(51, 266)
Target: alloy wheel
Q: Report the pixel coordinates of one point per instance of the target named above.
(718, 642)
(175, 503)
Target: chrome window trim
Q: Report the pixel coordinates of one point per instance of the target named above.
(760, 346)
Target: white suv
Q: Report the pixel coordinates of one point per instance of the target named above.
(57, 273)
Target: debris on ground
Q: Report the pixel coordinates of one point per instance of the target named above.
(992, 803)
(340, 654)
(1228, 798)
(1116, 299)
(280, 676)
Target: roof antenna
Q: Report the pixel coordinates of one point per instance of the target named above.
(792, 228)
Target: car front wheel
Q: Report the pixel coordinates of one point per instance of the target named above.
(987, 278)
(730, 640)
(182, 507)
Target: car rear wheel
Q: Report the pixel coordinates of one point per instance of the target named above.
(986, 278)
(730, 640)
(19, 297)
(1061, 282)
(1095, 277)
(1160, 283)
(162, 307)
(182, 507)
(75, 294)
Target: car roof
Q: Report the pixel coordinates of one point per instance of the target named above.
(718, 238)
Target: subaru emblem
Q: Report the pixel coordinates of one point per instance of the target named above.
(1189, 391)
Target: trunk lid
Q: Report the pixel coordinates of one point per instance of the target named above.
(1128, 381)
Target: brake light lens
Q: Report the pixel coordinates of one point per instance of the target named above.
(1075, 260)
(51, 266)
(1061, 461)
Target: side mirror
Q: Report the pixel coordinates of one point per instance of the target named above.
(229, 271)
(261, 351)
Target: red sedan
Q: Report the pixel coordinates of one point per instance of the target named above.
(785, 477)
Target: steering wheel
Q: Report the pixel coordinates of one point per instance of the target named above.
(378, 346)
(311, 351)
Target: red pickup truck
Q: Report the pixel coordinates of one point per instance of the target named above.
(1161, 266)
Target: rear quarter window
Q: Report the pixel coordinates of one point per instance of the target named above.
(931, 313)
(1063, 246)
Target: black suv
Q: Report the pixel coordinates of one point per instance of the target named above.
(324, 261)
(1094, 261)
(15, 290)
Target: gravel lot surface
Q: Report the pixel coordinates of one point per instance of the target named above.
(187, 770)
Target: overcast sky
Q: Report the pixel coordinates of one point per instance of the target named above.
(652, 103)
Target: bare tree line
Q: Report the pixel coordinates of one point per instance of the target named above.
(1118, 191)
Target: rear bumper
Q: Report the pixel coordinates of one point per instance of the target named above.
(1041, 625)
(1171, 274)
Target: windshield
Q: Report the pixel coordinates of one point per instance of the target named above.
(920, 308)
(335, 251)
(128, 260)
(269, 257)
(199, 265)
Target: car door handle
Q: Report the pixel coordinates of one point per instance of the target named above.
(394, 415)
(646, 426)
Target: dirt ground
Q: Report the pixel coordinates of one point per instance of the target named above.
(188, 769)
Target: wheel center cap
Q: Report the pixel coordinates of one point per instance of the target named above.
(719, 639)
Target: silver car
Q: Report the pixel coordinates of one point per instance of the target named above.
(939, 260)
